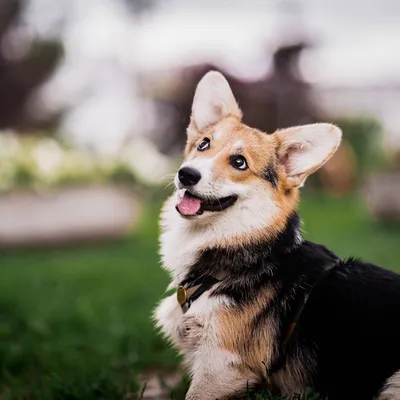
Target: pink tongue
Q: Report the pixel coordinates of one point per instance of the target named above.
(189, 205)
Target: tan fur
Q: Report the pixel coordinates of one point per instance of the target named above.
(234, 326)
(260, 149)
(255, 347)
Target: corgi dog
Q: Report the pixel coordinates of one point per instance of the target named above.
(256, 304)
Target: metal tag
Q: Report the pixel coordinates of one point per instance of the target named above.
(181, 295)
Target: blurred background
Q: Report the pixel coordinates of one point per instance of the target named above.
(95, 96)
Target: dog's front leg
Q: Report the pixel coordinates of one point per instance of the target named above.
(222, 385)
(191, 332)
(217, 374)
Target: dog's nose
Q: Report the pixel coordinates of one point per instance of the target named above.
(189, 176)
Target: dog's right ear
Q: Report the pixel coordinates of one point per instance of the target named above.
(212, 102)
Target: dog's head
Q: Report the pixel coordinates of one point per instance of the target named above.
(237, 172)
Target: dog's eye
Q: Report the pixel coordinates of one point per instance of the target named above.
(238, 162)
(204, 144)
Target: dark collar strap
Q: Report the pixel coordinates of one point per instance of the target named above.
(187, 294)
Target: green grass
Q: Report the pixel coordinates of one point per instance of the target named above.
(346, 227)
(309, 394)
(75, 321)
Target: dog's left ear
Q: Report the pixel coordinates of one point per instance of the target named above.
(213, 101)
(303, 149)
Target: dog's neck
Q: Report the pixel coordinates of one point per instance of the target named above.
(235, 259)
(187, 248)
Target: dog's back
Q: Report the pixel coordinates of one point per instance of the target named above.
(353, 319)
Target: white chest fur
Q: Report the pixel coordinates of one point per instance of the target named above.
(214, 370)
(178, 250)
(181, 239)
(196, 333)
(180, 245)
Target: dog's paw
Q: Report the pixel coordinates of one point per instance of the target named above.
(191, 331)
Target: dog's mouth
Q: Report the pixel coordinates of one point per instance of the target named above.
(190, 205)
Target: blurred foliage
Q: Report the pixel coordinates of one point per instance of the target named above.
(43, 162)
(394, 159)
(22, 71)
(309, 394)
(364, 134)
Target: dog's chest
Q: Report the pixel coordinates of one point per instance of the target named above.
(196, 332)
(190, 329)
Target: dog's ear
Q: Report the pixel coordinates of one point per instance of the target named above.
(303, 149)
(212, 102)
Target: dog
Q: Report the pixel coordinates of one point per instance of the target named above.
(256, 304)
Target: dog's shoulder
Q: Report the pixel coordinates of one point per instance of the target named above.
(358, 293)
(352, 321)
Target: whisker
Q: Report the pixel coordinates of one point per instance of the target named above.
(168, 176)
(168, 184)
(219, 202)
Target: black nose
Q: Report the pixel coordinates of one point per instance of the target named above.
(189, 176)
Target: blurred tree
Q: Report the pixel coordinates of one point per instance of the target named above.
(20, 76)
(23, 70)
(359, 153)
(278, 100)
(139, 6)
(364, 135)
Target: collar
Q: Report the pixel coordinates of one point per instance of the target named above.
(191, 289)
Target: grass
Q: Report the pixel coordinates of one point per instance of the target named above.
(309, 394)
(75, 321)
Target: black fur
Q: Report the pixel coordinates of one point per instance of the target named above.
(354, 320)
(269, 174)
(350, 325)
